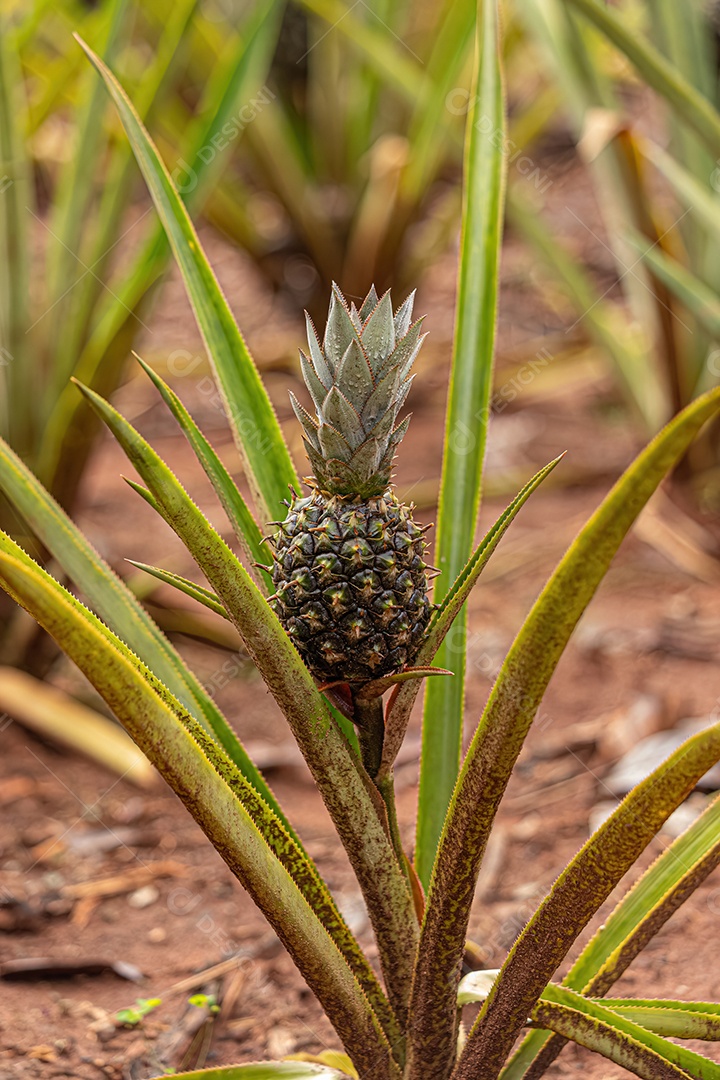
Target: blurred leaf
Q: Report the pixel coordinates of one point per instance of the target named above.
(228, 85)
(703, 203)
(428, 128)
(16, 206)
(694, 294)
(381, 48)
(255, 428)
(662, 76)
(76, 181)
(100, 231)
(577, 63)
(607, 325)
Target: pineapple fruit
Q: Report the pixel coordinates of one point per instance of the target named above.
(349, 565)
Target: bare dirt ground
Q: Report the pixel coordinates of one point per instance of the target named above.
(644, 657)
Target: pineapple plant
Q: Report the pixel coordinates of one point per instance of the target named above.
(402, 1022)
(349, 566)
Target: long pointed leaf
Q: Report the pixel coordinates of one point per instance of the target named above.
(204, 596)
(242, 521)
(695, 1065)
(496, 744)
(671, 1019)
(114, 602)
(600, 1033)
(466, 424)
(251, 416)
(463, 584)
(15, 201)
(278, 837)
(264, 1070)
(398, 713)
(208, 783)
(639, 916)
(577, 894)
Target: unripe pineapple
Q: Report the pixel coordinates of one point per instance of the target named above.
(349, 570)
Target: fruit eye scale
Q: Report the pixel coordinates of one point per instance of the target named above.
(351, 581)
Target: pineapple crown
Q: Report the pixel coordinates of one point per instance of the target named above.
(358, 379)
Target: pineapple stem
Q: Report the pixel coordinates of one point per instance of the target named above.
(369, 719)
(370, 722)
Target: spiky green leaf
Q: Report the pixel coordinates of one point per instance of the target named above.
(318, 392)
(355, 376)
(265, 1070)
(403, 316)
(639, 916)
(309, 424)
(599, 1027)
(466, 423)
(244, 525)
(204, 596)
(378, 336)
(339, 331)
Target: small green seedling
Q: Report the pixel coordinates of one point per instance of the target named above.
(205, 1001)
(136, 1013)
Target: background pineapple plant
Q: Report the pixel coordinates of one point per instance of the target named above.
(349, 569)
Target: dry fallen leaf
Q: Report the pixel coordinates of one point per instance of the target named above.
(58, 717)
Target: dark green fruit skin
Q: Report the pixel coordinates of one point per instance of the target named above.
(351, 585)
